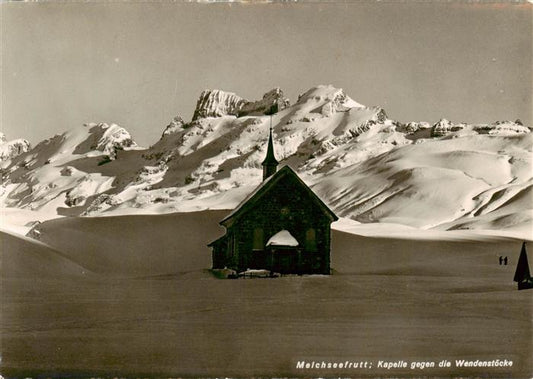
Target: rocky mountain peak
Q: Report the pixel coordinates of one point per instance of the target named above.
(444, 127)
(12, 149)
(217, 103)
(273, 98)
(107, 138)
(328, 93)
(328, 99)
(175, 125)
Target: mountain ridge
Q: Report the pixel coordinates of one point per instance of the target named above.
(365, 165)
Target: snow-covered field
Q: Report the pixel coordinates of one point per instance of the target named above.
(132, 296)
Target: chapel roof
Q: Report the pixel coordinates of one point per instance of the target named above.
(266, 186)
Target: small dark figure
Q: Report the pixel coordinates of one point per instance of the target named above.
(505, 261)
(501, 260)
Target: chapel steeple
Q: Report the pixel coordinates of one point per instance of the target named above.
(270, 164)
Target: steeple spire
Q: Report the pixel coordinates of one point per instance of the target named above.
(270, 163)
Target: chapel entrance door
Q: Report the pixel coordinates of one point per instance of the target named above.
(285, 260)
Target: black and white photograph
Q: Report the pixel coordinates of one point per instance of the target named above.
(274, 189)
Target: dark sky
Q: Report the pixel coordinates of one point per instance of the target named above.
(139, 64)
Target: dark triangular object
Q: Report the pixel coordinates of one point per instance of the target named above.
(522, 275)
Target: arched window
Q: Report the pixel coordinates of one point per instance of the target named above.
(310, 240)
(258, 243)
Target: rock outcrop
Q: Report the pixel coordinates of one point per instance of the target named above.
(444, 127)
(502, 128)
(12, 149)
(273, 98)
(216, 103)
(413, 127)
(175, 125)
(107, 138)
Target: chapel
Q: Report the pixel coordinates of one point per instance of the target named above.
(282, 226)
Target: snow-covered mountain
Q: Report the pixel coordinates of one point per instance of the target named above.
(46, 176)
(10, 149)
(365, 165)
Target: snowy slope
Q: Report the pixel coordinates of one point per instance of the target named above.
(366, 166)
(438, 182)
(46, 178)
(24, 257)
